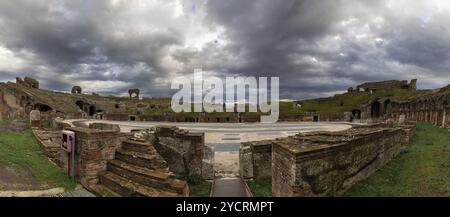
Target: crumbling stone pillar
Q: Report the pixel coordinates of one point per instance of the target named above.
(93, 148)
(35, 119)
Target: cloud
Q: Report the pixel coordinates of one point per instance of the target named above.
(315, 47)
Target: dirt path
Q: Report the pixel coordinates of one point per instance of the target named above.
(16, 178)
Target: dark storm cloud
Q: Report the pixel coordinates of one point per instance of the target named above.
(317, 48)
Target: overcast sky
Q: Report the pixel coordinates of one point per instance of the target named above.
(317, 48)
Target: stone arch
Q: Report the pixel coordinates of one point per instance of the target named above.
(42, 107)
(134, 93)
(80, 104)
(76, 90)
(356, 114)
(375, 109)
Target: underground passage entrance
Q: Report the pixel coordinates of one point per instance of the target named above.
(42, 107)
(92, 110)
(315, 118)
(356, 114)
(375, 109)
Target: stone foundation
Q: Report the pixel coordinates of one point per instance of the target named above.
(182, 150)
(328, 164)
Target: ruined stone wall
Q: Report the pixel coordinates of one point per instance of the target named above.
(434, 109)
(182, 150)
(255, 159)
(93, 149)
(328, 164)
(50, 141)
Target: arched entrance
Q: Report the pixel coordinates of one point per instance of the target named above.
(80, 104)
(356, 113)
(375, 109)
(42, 107)
(92, 110)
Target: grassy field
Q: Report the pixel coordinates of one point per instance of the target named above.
(421, 170)
(260, 188)
(21, 149)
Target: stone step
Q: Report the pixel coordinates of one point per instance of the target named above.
(128, 188)
(150, 161)
(102, 191)
(138, 146)
(153, 178)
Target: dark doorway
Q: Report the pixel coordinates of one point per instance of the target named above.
(315, 118)
(387, 106)
(92, 110)
(80, 104)
(356, 113)
(133, 118)
(218, 120)
(375, 110)
(42, 107)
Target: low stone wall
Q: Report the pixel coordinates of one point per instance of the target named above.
(93, 148)
(104, 126)
(329, 163)
(50, 142)
(182, 150)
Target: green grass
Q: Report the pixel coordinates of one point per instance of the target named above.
(260, 187)
(22, 149)
(423, 169)
(198, 187)
(11, 120)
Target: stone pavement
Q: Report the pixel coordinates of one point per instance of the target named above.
(76, 193)
(229, 187)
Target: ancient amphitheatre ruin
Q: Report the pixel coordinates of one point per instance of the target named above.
(133, 146)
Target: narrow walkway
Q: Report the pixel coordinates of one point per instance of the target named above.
(229, 187)
(76, 193)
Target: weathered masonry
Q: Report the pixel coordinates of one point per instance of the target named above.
(433, 109)
(111, 163)
(323, 163)
(328, 164)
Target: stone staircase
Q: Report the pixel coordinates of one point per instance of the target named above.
(138, 171)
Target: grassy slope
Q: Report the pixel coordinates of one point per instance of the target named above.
(421, 170)
(346, 102)
(21, 149)
(260, 188)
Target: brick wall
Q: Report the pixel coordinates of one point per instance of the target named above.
(93, 149)
(328, 164)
